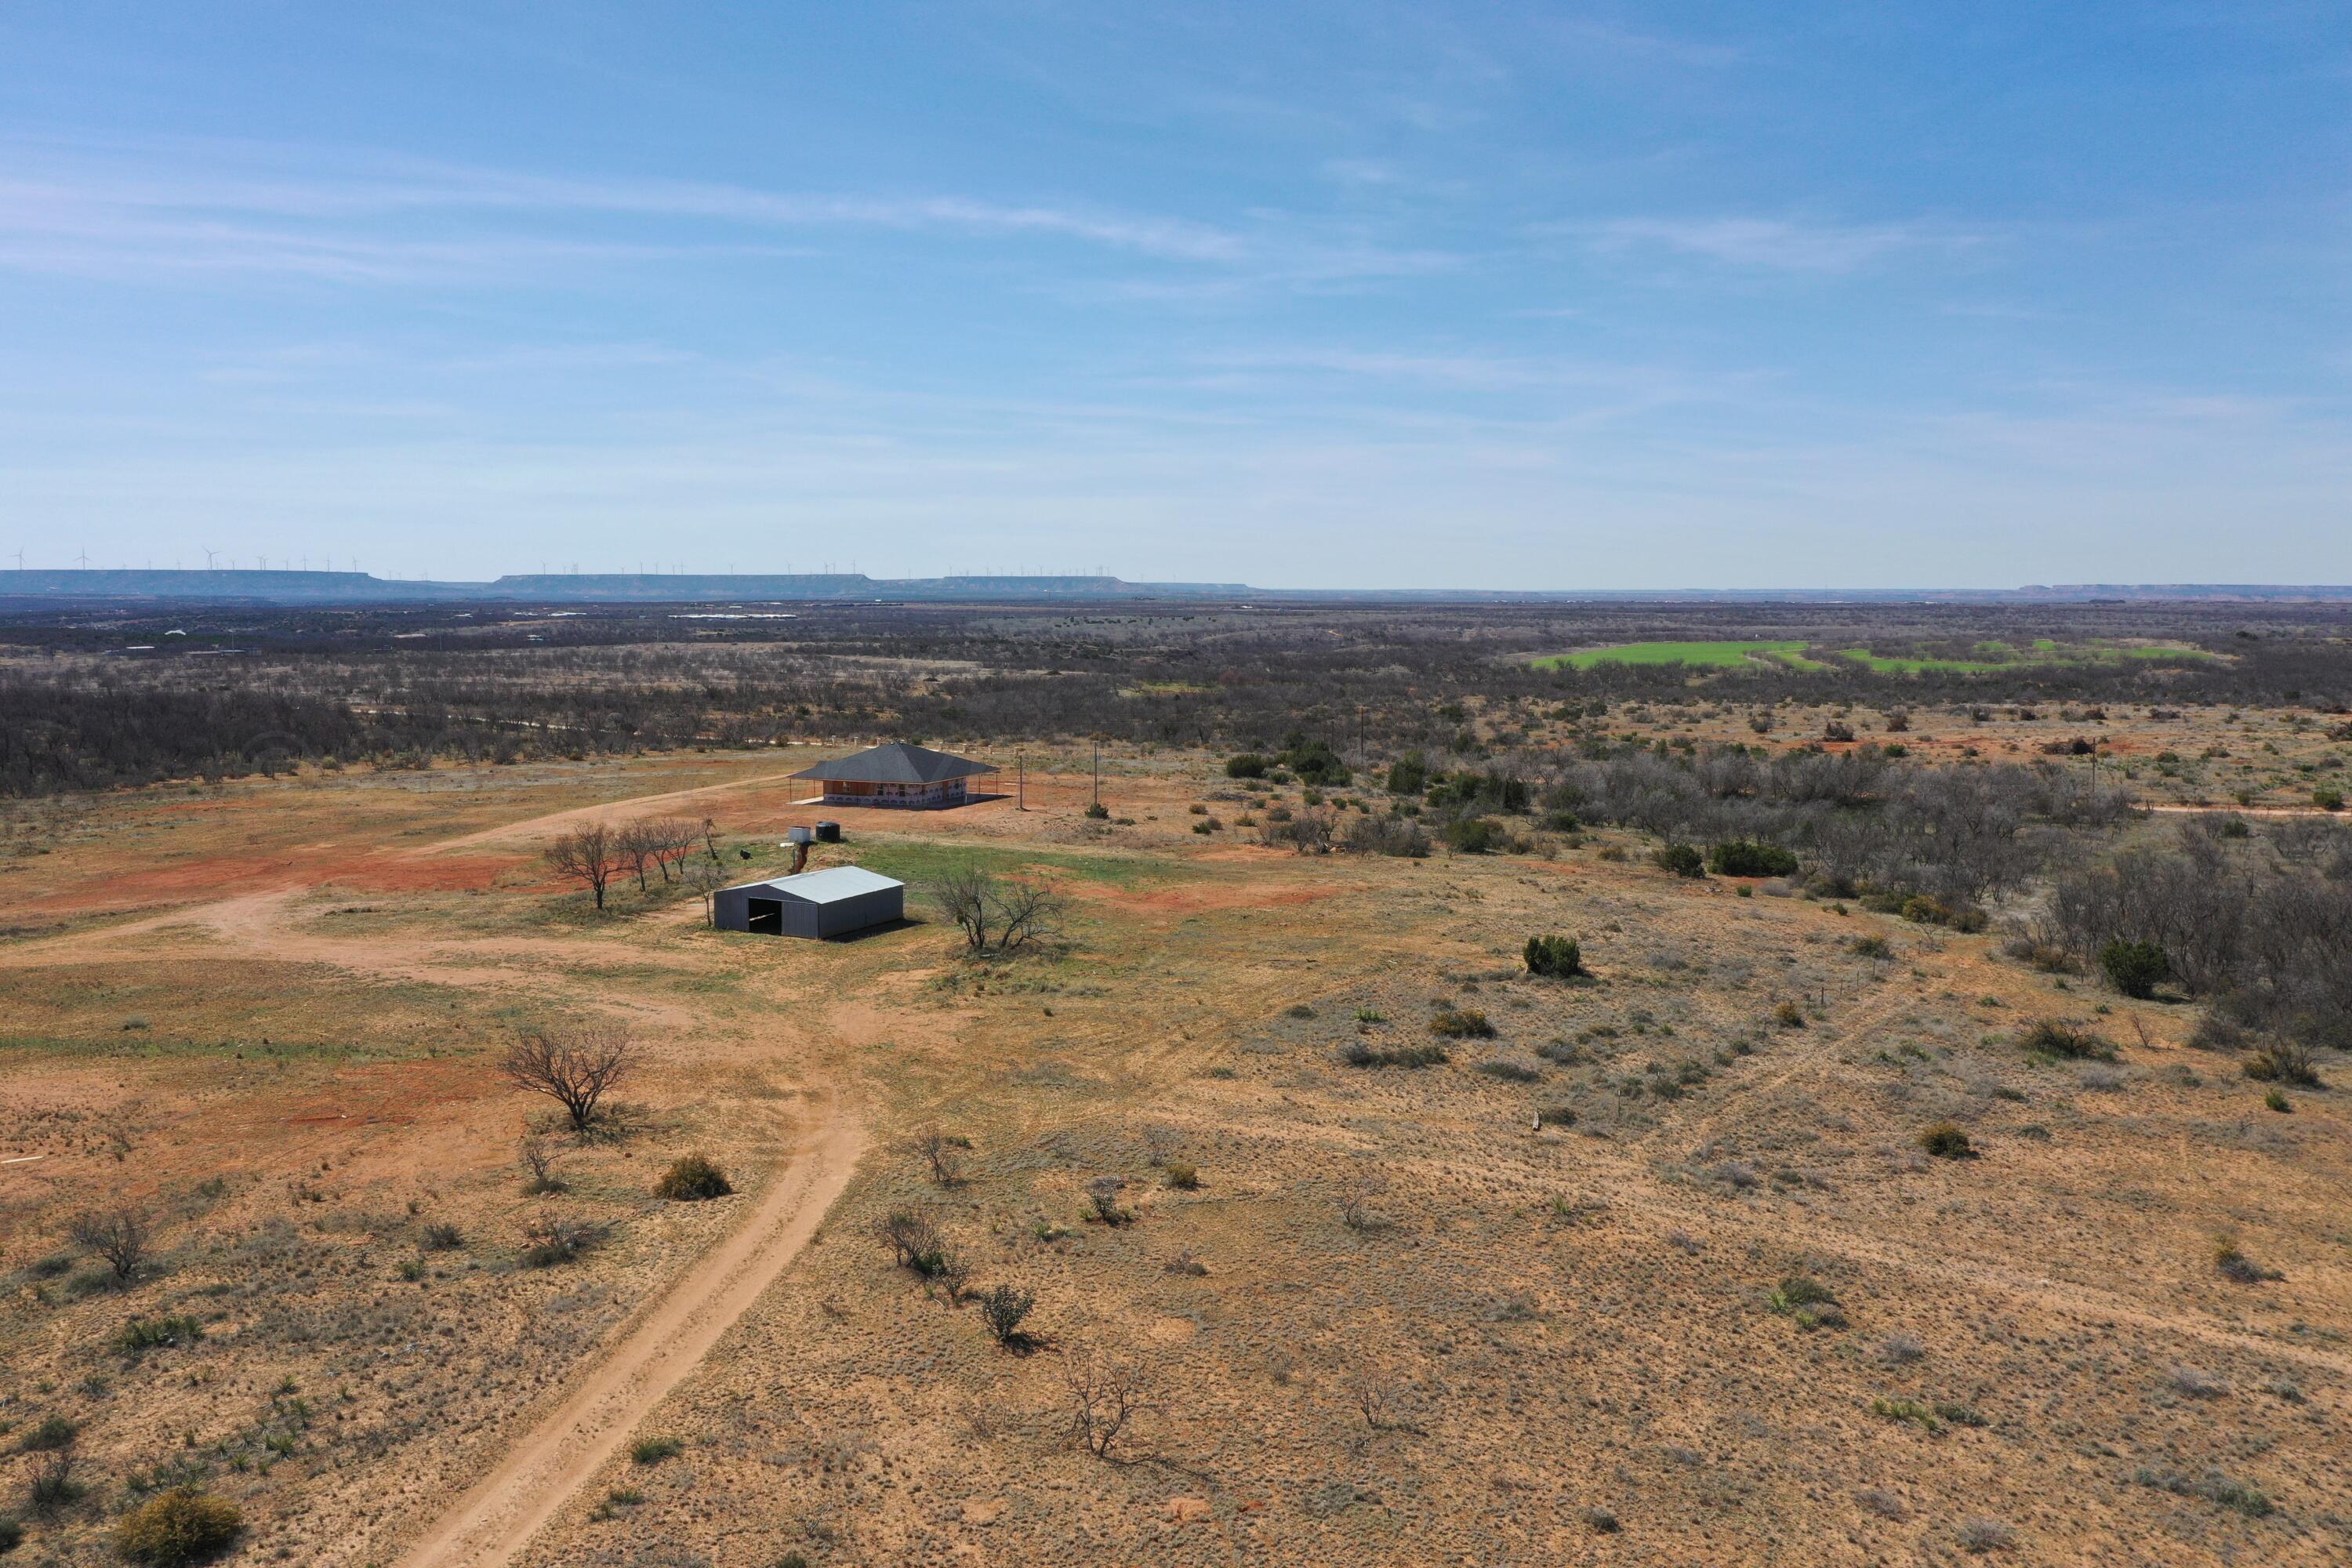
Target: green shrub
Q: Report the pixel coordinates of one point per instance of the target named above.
(1098, 811)
(2282, 1061)
(654, 1450)
(183, 1525)
(12, 1535)
(1945, 1140)
(1183, 1175)
(1475, 835)
(1510, 1071)
(1315, 763)
(1462, 1023)
(1004, 1308)
(143, 1334)
(1746, 857)
(53, 1433)
(692, 1179)
(1871, 947)
(2133, 967)
(1360, 1054)
(2327, 797)
(2049, 1037)
(1246, 765)
(1408, 774)
(1680, 858)
(1808, 1302)
(1556, 957)
(1789, 1016)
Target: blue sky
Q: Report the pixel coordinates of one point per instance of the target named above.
(1301, 295)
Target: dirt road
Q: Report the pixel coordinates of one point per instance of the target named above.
(491, 1524)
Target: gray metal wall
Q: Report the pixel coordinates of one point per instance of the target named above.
(880, 907)
(732, 910)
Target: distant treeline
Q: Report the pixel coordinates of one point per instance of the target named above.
(92, 703)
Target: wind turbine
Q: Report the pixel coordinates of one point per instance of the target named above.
(83, 560)
(20, 558)
(209, 553)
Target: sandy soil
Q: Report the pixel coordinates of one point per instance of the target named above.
(1393, 1316)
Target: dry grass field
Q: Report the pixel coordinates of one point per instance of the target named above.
(1657, 1272)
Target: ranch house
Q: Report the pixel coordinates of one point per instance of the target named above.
(899, 775)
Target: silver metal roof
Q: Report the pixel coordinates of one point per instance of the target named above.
(829, 886)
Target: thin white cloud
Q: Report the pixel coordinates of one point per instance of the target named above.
(209, 208)
(1780, 245)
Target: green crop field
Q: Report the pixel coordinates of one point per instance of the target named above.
(1716, 655)
(2003, 657)
(1989, 656)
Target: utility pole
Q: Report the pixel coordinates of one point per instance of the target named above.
(1097, 770)
(1020, 778)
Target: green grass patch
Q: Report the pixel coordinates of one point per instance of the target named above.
(1707, 655)
(915, 862)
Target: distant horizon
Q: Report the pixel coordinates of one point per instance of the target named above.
(297, 584)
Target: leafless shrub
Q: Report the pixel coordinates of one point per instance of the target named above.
(997, 916)
(537, 1157)
(913, 1240)
(1377, 1399)
(942, 1153)
(1901, 1350)
(53, 1489)
(1107, 1393)
(1356, 1211)
(1307, 832)
(1102, 1200)
(592, 856)
(704, 878)
(2195, 1383)
(548, 1240)
(119, 1235)
(1979, 1536)
(1881, 1501)
(575, 1067)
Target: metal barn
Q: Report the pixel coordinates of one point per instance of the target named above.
(835, 901)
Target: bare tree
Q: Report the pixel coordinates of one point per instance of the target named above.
(943, 1152)
(1375, 1397)
(637, 844)
(705, 877)
(709, 831)
(1025, 912)
(118, 1236)
(587, 855)
(680, 837)
(576, 1068)
(913, 1240)
(963, 896)
(997, 917)
(1106, 1394)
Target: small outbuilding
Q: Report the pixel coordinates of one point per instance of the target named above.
(897, 775)
(835, 901)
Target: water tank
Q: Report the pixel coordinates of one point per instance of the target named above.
(828, 831)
